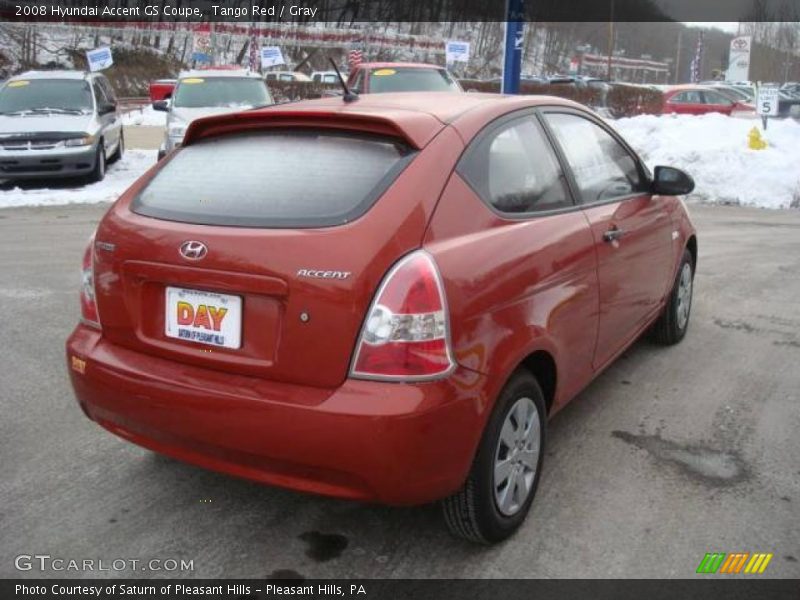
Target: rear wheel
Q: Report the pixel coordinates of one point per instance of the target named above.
(497, 495)
(674, 321)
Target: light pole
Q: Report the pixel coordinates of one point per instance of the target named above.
(512, 52)
(610, 40)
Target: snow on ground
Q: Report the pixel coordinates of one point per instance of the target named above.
(145, 116)
(713, 149)
(118, 178)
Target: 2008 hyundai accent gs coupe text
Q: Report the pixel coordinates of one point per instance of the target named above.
(382, 299)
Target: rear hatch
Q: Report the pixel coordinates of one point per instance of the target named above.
(286, 234)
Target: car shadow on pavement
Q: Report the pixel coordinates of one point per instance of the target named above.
(319, 536)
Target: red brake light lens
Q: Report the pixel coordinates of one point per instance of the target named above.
(89, 313)
(405, 336)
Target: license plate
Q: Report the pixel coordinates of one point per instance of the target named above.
(204, 317)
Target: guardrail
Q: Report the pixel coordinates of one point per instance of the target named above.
(127, 105)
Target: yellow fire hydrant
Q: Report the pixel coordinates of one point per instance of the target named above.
(755, 141)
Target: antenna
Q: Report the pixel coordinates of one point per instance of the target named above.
(349, 96)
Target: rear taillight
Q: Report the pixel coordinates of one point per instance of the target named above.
(405, 336)
(88, 302)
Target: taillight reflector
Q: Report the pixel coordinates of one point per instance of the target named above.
(405, 336)
(89, 313)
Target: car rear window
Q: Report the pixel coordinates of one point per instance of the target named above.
(278, 178)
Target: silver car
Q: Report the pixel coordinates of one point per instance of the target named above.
(58, 124)
(208, 92)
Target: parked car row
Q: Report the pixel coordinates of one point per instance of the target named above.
(206, 92)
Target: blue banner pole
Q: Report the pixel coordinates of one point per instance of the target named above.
(512, 55)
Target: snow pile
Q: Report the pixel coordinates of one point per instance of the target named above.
(145, 116)
(713, 149)
(118, 178)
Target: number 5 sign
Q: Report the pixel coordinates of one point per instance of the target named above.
(767, 103)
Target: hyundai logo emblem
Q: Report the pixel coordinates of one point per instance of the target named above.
(193, 250)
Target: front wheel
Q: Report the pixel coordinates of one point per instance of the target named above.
(674, 321)
(497, 495)
(120, 151)
(99, 171)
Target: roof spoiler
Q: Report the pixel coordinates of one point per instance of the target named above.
(218, 125)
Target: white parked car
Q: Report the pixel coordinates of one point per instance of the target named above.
(208, 92)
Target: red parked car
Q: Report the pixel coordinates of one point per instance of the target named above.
(382, 300)
(161, 89)
(699, 100)
(384, 77)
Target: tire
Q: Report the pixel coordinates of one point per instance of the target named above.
(120, 151)
(671, 326)
(480, 511)
(99, 171)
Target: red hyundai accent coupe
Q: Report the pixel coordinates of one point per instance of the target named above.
(383, 299)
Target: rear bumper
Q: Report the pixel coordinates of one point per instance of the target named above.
(396, 444)
(37, 164)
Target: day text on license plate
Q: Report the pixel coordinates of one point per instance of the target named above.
(204, 317)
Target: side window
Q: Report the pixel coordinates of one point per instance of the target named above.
(717, 99)
(602, 167)
(690, 97)
(99, 96)
(515, 170)
(107, 89)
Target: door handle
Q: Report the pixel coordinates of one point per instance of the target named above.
(613, 234)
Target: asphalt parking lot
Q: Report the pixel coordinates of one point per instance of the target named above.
(668, 455)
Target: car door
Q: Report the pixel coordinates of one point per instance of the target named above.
(716, 102)
(689, 102)
(528, 266)
(115, 122)
(632, 231)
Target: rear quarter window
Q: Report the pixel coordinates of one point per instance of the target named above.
(278, 178)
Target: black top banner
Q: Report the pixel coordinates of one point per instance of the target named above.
(354, 11)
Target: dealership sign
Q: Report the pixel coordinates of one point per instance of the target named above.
(271, 56)
(99, 58)
(457, 52)
(739, 59)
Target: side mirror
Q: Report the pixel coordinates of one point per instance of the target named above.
(669, 181)
(105, 108)
(161, 105)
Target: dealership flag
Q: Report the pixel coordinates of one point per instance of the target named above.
(253, 59)
(99, 58)
(456, 52)
(271, 56)
(354, 58)
(697, 62)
